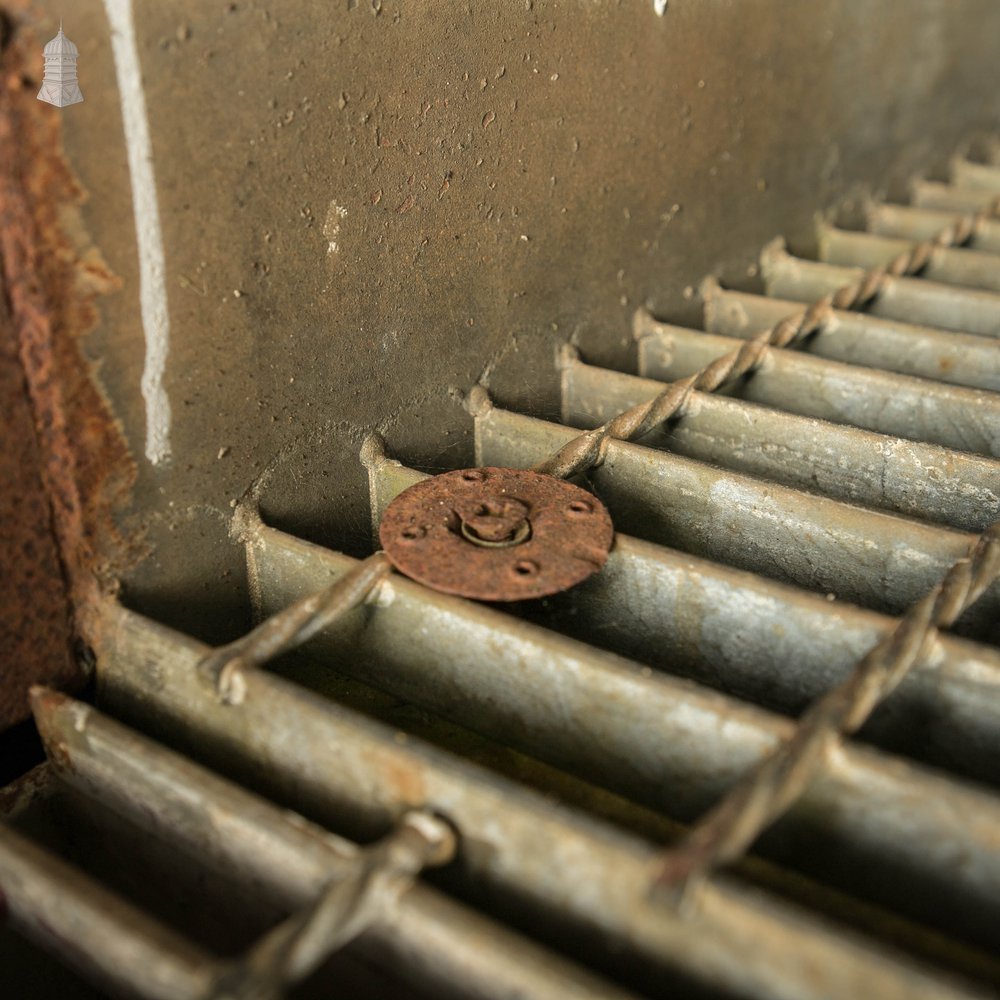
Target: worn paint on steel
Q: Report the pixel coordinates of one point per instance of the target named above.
(638, 732)
(859, 339)
(955, 417)
(912, 300)
(837, 460)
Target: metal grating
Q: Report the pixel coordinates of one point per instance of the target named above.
(783, 507)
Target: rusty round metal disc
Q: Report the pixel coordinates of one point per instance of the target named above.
(496, 534)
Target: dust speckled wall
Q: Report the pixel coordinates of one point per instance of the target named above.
(368, 206)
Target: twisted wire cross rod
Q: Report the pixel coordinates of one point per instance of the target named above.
(766, 791)
(291, 627)
(728, 830)
(298, 946)
(587, 450)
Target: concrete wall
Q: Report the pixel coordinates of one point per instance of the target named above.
(411, 197)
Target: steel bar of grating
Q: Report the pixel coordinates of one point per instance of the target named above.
(589, 875)
(952, 265)
(586, 450)
(289, 861)
(980, 176)
(100, 934)
(879, 560)
(948, 197)
(910, 223)
(675, 612)
(766, 793)
(770, 789)
(913, 300)
(860, 339)
(636, 732)
(843, 462)
(884, 402)
(387, 478)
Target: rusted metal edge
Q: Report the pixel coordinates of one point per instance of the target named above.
(83, 467)
(34, 606)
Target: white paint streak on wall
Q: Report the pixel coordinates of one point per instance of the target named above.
(331, 227)
(149, 238)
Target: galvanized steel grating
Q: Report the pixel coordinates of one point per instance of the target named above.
(772, 529)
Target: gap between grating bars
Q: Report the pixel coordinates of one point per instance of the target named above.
(769, 534)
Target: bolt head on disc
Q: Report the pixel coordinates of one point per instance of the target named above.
(496, 534)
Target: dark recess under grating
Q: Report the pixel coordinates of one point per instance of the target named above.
(766, 539)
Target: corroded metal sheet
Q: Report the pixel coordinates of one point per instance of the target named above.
(496, 534)
(64, 466)
(34, 610)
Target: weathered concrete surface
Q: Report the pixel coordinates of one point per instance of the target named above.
(412, 197)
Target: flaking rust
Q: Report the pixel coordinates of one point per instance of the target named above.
(34, 610)
(496, 534)
(65, 465)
